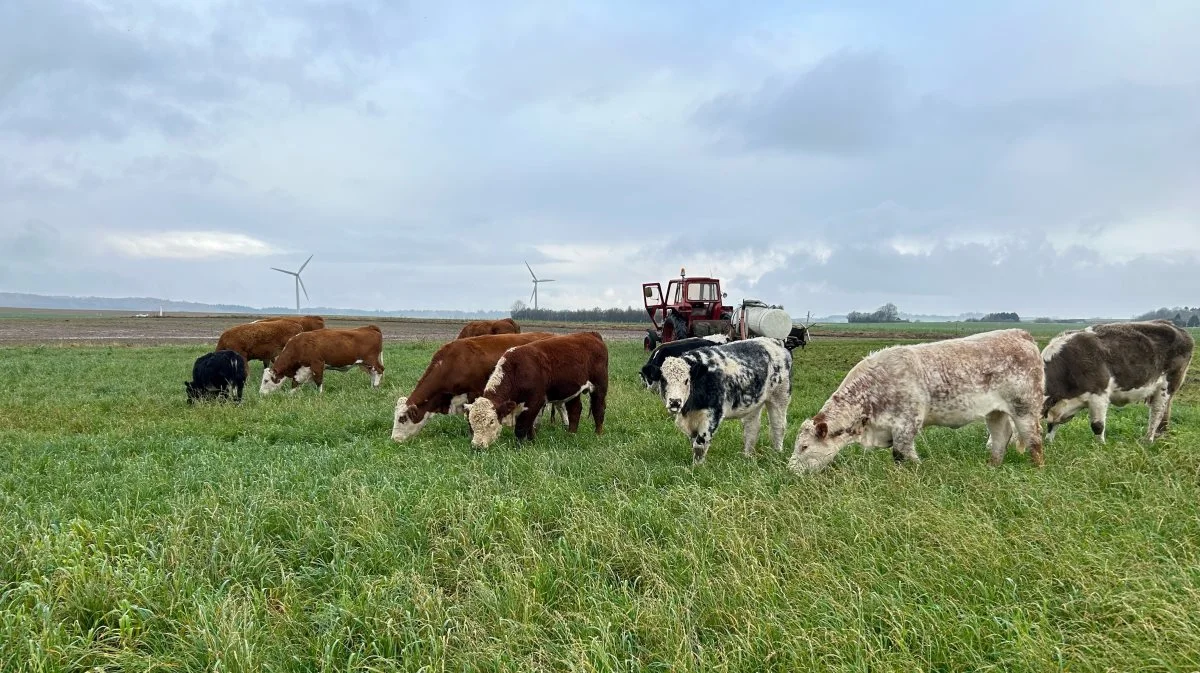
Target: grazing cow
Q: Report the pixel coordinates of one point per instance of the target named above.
(1115, 363)
(308, 322)
(309, 354)
(558, 369)
(735, 380)
(889, 396)
(483, 327)
(262, 340)
(221, 374)
(456, 375)
(651, 373)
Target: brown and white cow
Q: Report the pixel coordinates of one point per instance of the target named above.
(526, 378)
(263, 340)
(889, 396)
(308, 354)
(1115, 363)
(483, 327)
(456, 375)
(308, 322)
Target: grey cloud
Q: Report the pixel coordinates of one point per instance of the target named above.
(71, 71)
(843, 105)
(29, 242)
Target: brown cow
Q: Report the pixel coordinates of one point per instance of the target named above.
(483, 327)
(558, 369)
(309, 354)
(308, 322)
(260, 340)
(456, 375)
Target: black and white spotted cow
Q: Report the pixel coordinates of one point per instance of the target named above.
(735, 380)
(652, 371)
(1115, 363)
(220, 374)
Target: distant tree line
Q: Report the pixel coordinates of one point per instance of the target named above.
(997, 317)
(886, 313)
(1186, 316)
(623, 315)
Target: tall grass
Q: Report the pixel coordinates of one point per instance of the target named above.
(290, 533)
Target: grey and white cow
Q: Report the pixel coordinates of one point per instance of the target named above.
(735, 380)
(889, 396)
(1115, 363)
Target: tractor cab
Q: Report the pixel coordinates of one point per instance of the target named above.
(691, 307)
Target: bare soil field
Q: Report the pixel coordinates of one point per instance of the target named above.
(114, 328)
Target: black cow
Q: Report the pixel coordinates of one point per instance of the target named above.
(652, 371)
(220, 374)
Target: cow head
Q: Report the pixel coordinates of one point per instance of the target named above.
(271, 381)
(817, 444)
(487, 419)
(408, 420)
(676, 383)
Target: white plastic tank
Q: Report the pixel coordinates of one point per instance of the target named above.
(768, 322)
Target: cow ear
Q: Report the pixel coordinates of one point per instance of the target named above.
(822, 430)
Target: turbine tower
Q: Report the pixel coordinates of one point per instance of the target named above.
(299, 283)
(536, 280)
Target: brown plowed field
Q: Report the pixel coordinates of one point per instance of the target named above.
(118, 328)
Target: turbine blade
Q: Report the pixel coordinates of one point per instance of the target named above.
(533, 294)
(530, 271)
(546, 280)
(290, 273)
(305, 263)
(298, 280)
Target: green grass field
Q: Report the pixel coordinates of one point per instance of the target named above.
(290, 533)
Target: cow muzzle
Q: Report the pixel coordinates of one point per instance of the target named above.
(674, 405)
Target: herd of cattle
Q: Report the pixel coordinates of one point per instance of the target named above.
(498, 376)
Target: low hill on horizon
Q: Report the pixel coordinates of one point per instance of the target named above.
(152, 305)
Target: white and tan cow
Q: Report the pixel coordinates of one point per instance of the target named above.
(889, 396)
(1119, 364)
(308, 354)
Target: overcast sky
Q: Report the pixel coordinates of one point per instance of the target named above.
(1032, 156)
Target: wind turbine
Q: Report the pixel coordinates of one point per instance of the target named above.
(536, 280)
(299, 283)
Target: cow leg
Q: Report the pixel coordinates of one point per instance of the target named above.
(750, 426)
(1098, 410)
(598, 398)
(1000, 430)
(318, 376)
(1158, 408)
(777, 407)
(574, 411)
(1029, 433)
(904, 445)
(525, 426)
(240, 386)
(701, 443)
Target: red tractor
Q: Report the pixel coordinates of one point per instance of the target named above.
(694, 307)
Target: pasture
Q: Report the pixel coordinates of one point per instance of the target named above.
(291, 533)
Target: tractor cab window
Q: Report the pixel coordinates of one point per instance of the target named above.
(702, 292)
